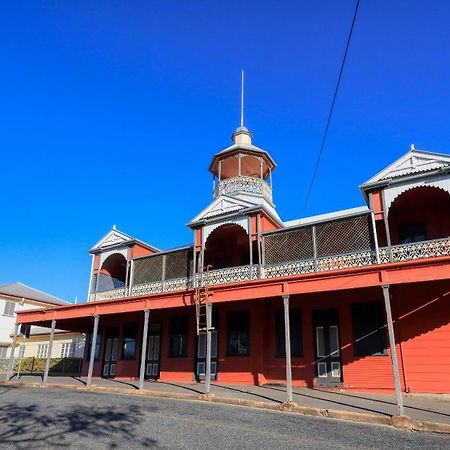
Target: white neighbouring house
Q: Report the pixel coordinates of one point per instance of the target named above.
(16, 297)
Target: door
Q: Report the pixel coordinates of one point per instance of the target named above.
(153, 359)
(328, 364)
(110, 359)
(201, 356)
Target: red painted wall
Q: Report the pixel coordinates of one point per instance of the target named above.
(421, 321)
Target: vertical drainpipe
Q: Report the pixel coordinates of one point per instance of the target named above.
(287, 341)
(97, 278)
(49, 352)
(9, 371)
(130, 287)
(250, 260)
(258, 225)
(386, 226)
(390, 325)
(93, 346)
(91, 278)
(208, 349)
(374, 230)
(314, 248)
(163, 275)
(144, 349)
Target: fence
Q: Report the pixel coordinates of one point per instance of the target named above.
(36, 366)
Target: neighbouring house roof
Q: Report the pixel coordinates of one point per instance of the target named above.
(21, 290)
(42, 331)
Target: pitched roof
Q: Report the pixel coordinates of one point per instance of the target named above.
(414, 162)
(116, 237)
(21, 290)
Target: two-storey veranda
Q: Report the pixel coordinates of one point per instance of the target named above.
(367, 289)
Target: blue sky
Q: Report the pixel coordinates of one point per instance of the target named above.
(111, 110)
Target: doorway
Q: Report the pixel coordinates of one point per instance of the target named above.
(200, 365)
(110, 358)
(328, 364)
(153, 358)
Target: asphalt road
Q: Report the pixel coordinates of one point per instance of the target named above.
(49, 418)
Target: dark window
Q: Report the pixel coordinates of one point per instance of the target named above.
(129, 341)
(295, 325)
(178, 336)
(413, 232)
(238, 333)
(368, 322)
(97, 346)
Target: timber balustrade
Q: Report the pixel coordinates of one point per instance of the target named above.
(362, 258)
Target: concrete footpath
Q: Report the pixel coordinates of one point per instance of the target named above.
(424, 412)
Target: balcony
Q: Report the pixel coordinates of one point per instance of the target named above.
(244, 184)
(404, 252)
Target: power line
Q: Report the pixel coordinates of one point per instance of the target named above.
(330, 114)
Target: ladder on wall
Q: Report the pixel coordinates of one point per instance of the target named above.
(201, 297)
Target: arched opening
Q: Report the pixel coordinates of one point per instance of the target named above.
(112, 273)
(227, 246)
(420, 214)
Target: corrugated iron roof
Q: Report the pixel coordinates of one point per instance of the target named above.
(21, 290)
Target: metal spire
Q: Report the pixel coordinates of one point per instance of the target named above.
(242, 98)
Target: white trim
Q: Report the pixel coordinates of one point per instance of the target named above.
(336, 352)
(336, 369)
(319, 365)
(208, 229)
(103, 256)
(391, 193)
(317, 342)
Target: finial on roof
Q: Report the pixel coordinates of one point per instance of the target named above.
(114, 227)
(242, 98)
(412, 147)
(242, 136)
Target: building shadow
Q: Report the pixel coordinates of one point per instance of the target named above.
(333, 402)
(32, 426)
(243, 391)
(181, 386)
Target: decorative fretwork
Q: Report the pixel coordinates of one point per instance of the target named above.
(288, 246)
(291, 268)
(108, 295)
(416, 250)
(358, 259)
(338, 237)
(367, 257)
(243, 184)
(230, 275)
(147, 288)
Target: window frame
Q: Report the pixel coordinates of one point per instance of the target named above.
(231, 319)
(178, 336)
(9, 303)
(380, 330)
(132, 337)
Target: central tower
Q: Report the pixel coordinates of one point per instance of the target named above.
(228, 232)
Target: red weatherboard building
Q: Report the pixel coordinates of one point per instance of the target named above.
(357, 283)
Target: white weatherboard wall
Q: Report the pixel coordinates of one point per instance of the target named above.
(72, 343)
(7, 322)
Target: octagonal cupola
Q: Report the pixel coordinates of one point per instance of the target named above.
(243, 168)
